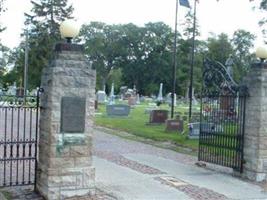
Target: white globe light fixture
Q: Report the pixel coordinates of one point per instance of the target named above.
(69, 29)
(261, 53)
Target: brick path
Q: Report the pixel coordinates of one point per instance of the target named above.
(114, 149)
(115, 146)
(122, 161)
(193, 191)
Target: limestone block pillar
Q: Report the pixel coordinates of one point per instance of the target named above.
(66, 119)
(255, 138)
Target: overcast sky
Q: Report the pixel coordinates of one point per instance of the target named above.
(217, 17)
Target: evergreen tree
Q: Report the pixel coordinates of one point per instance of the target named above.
(43, 33)
(242, 42)
(3, 49)
(2, 9)
(263, 21)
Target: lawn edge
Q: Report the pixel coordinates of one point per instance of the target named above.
(159, 144)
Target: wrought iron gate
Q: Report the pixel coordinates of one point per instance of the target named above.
(222, 117)
(18, 139)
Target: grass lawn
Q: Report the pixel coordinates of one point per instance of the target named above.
(136, 123)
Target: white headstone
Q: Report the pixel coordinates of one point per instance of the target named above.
(160, 98)
(101, 96)
(12, 89)
(194, 100)
(169, 99)
(112, 96)
(137, 99)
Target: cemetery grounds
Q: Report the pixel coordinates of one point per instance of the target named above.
(136, 124)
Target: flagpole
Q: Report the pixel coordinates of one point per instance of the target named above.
(174, 60)
(192, 62)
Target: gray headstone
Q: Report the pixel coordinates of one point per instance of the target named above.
(72, 115)
(194, 129)
(101, 96)
(118, 110)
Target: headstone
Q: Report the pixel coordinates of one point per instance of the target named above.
(158, 116)
(194, 129)
(12, 89)
(101, 96)
(142, 99)
(112, 96)
(132, 101)
(169, 99)
(123, 90)
(118, 110)
(129, 93)
(160, 97)
(137, 99)
(174, 125)
(194, 100)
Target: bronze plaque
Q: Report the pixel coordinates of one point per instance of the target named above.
(72, 115)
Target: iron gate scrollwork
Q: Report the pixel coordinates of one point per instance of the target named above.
(19, 117)
(222, 117)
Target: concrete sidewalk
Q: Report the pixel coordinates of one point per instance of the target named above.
(133, 170)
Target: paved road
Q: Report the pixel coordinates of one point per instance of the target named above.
(133, 170)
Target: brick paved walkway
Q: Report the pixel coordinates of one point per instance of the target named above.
(119, 160)
(193, 191)
(122, 161)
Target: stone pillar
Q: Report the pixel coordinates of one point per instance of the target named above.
(255, 138)
(66, 120)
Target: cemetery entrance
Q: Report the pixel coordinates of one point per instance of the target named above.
(222, 117)
(18, 139)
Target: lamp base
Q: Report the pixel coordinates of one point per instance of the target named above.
(69, 40)
(68, 47)
(259, 65)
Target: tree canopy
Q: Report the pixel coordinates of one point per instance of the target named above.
(43, 32)
(127, 54)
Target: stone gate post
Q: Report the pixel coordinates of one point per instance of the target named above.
(255, 138)
(65, 143)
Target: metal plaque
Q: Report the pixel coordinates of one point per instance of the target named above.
(72, 114)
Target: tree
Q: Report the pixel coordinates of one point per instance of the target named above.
(188, 31)
(242, 42)
(149, 51)
(188, 27)
(103, 48)
(263, 21)
(43, 31)
(2, 9)
(4, 51)
(219, 48)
